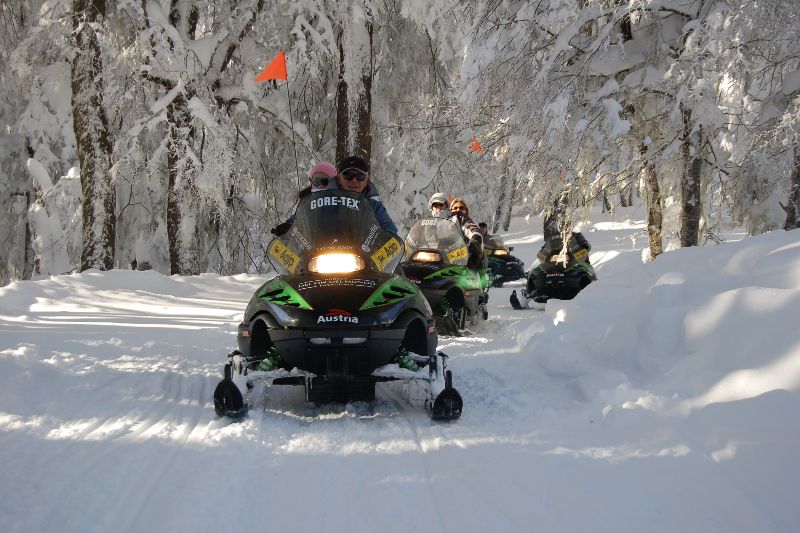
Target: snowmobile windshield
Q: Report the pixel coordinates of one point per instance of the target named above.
(335, 232)
(493, 242)
(436, 240)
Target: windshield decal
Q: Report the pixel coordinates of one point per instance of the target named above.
(386, 253)
(454, 256)
(284, 255)
(369, 242)
(333, 201)
(296, 235)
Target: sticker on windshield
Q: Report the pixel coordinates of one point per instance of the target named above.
(297, 236)
(333, 201)
(386, 253)
(461, 253)
(580, 254)
(369, 242)
(284, 255)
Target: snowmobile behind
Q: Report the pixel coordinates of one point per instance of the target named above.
(561, 273)
(502, 265)
(337, 318)
(437, 260)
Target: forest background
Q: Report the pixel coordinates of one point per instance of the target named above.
(134, 133)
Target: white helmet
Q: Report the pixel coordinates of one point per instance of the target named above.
(438, 198)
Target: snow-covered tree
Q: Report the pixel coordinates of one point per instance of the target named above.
(92, 137)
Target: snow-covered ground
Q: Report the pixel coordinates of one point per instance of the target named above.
(664, 398)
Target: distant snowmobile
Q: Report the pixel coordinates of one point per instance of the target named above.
(437, 260)
(337, 319)
(561, 273)
(503, 266)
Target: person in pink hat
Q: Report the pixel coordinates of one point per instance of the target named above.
(321, 176)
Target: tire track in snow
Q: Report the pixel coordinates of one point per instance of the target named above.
(405, 412)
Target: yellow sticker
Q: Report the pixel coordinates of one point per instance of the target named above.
(284, 256)
(580, 254)
(455, 255)
(386, 253)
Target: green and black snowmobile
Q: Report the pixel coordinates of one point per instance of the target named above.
(502, 265)
(437, 260)
(337, 319)
(562, 272)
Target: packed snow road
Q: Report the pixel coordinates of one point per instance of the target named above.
(109, 412)
(635, 420)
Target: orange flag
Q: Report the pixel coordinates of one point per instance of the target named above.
(475, 146)
(276, 70)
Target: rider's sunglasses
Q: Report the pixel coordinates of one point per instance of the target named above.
(354, 173)
(439, 205)
(321, 182)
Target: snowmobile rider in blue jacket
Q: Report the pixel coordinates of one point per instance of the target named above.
(353, 175)
(324, 176)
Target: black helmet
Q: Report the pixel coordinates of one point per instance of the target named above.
(354, 162)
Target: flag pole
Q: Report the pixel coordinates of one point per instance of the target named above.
(294, 144)
(276, 70)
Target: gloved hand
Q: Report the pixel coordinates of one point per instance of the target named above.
(475, 244)
(281, 228)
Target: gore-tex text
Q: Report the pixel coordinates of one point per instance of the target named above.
(351, 203)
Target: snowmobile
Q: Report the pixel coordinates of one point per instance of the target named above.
(336, 319)
(561, 273)
(502, 265)
(436, 261)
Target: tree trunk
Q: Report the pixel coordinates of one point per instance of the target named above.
(691, 209)
(607, 207)
(354, 100)
(92, 139)
(555, 219)
(653, 201)
(626, 196)
(511, 196)
(502, 213)
(182, 200)
(30, 257)
(793, 206)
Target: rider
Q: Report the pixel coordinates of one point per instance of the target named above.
(460, 214)
(439, 205)
(353, 175)
(546, 250)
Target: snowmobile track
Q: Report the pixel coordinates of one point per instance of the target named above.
(407, 412)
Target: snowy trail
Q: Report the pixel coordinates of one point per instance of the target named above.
(106, 419)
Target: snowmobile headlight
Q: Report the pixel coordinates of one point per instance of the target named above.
(336, 263)
(501, 252)
(426, 257)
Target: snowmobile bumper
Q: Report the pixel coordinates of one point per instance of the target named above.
(558, 285)
(339, 352)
